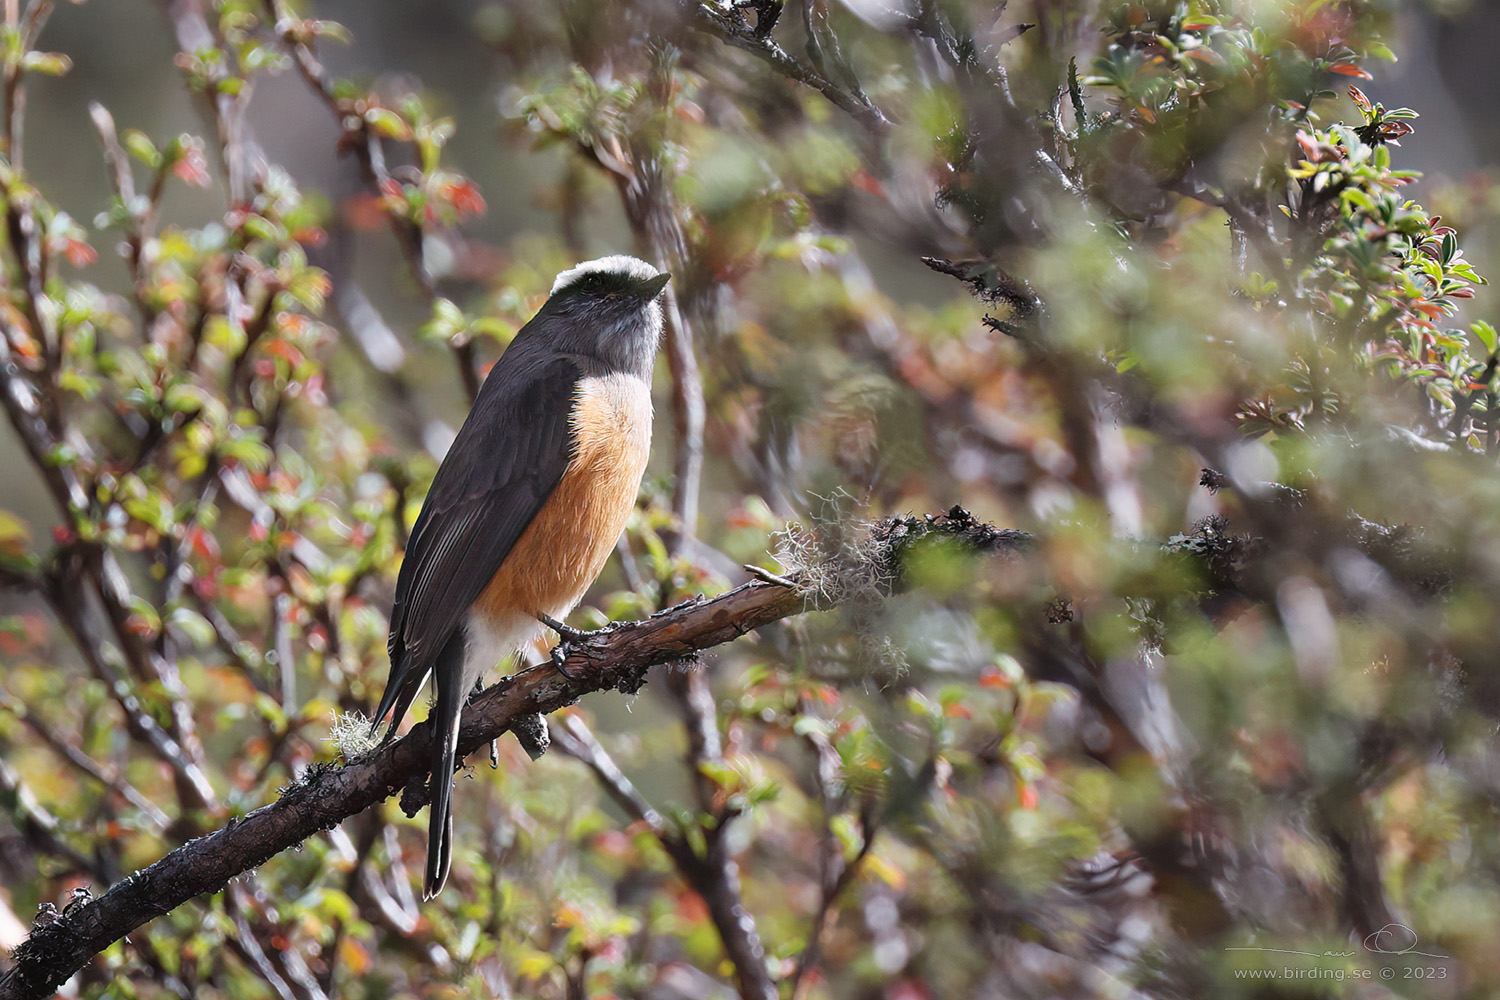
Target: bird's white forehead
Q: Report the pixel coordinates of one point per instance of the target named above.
(621, 264)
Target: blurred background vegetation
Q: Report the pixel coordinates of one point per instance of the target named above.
(1227, 729)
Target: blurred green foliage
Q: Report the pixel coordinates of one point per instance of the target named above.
(1232, 713)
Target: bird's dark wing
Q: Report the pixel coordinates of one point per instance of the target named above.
(505, 462)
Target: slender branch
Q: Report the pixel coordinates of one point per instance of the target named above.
(688, 415)
(137, 216)
(369, 151)
(38, 826)
(730, 27)
(237, 151)
(82, 761)
(836, 873)
(645, 184)
(37, 13)
(178, 748)
(714, 872)
(573, 738)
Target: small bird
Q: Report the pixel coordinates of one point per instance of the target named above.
(527, 505)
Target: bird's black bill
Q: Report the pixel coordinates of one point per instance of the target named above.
(651, 287)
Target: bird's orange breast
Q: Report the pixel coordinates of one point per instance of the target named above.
(565, 546)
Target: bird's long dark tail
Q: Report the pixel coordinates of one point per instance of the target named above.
(446, 712)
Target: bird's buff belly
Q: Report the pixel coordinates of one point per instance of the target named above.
(566, 545)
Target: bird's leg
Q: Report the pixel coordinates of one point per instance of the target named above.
(567, 635)
(494, 744)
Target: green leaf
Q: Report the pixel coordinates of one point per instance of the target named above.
(387, 123)
(140, 147)
(194, 626)
(1486, 335)
(47, 63)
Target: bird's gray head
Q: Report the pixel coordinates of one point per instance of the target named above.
(608, 309)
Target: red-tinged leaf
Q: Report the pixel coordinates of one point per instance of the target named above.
(365, 212)
(463, 194)
(993, 679)
(690, 908)
(1146, 113)
(956, 710)
(612, 950)
(138, 625)
(292, 324)
(192, 168)
(612, 844)
(79, 253)
(354, 956)
(312, 389)
(1461, 293)
(311, 236)
(908, 990)
(1347, 68)
(63, 535)
(203, 544)
(1028, 797)
(391, 189)
(864, 181)
(1358, 97)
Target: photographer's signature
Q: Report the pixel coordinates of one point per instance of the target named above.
(1392, 939)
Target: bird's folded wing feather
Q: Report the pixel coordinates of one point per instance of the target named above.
(507, 459)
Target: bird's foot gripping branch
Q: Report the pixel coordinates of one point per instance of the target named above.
(863, 568)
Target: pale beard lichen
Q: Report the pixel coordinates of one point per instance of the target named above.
(352, 735)
(848, 564)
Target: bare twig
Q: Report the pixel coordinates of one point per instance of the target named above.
(731, 27)
(36, 16)
(714, 873)
(37, 825)
(357, 135)
(82, 761)
(573, 738)
(236, 148)
(836, 873)
(178, 747)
